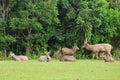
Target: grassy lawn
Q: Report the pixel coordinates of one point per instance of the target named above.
(55, 70)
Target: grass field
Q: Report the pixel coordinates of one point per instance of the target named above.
(55, 70)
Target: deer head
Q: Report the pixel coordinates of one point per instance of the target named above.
(85, 43)
(11, 54)
(75, 46)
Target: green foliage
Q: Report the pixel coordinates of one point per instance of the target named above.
(116, 54)
(34, 26)
(2, 24)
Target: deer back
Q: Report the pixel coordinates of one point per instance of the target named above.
(68, 51)
(23, 58)
(68, 58)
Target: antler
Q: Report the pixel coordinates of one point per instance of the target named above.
(85, 40)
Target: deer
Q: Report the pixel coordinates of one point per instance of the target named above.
(45, 58)
(65, 57)
(18, 57)
(68, 51)
(107, 58)
(96, 48)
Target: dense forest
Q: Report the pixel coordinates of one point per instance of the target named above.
(31, 27)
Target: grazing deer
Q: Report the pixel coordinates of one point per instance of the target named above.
(45, 58)
(68, 51)
(107, 58)
(96, 48)
(65, 58)
(18, 57)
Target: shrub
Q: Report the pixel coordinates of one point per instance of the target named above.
(116, 54)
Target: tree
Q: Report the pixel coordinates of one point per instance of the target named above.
(35, 22)
(93, 20)
(34, 26)
(5, 39)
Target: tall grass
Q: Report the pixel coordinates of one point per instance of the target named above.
(55, 70)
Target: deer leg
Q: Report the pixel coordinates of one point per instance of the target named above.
(96, 55)
(93, 56)
(109, 53)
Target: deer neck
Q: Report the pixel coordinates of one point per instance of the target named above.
(58, 56)
(74, 50)
(14, 56)
(89, 47)
(48, 57)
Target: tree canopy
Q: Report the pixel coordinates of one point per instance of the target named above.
(34, 26)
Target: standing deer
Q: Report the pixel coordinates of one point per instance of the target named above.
(96, 48)
(107, 58)
(45, 58)
(65, 58)
(18, 57)
(68, 51)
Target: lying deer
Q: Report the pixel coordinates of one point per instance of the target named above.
(45, 58)
(96, 48)
(18, 58)
(107, 58)
(65, 58)
(68, 51)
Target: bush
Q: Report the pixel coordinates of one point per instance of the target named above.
(33, 56)
(116, 54)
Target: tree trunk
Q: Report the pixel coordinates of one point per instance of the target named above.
(27, 51)
(4, 9)
(4, 53)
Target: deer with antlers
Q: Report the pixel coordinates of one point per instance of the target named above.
(96, 48)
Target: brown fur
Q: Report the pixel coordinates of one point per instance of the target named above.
(96, 48)
(68, 51)
(45, 58)
(65, 58)
(18, 57)
(107, 58)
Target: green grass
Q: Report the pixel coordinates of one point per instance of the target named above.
(55, 70)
